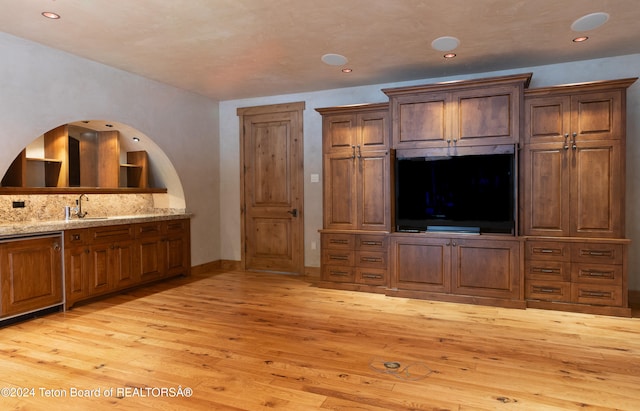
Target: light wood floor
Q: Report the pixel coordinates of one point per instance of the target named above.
(247, 341)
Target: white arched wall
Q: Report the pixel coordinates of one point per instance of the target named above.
(43, 88)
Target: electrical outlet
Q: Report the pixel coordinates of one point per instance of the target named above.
(18, 204)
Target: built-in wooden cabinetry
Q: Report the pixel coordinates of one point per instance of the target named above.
(465, 113)
(106, 259)
(357, 196)
(573, 203)
(30, 274)
(568, 251)
(86, 162)
(459, 268)
(356, 167)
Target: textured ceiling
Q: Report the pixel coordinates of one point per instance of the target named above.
(230, 49)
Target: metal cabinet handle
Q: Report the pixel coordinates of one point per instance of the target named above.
(293, 212)
(566, 138)
(574, 146)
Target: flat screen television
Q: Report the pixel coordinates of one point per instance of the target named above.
(469, 193)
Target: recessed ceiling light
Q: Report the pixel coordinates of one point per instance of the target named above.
(449, 55)
(51, 15)
(136, 139)
(334, 59)
(580, 39)
(446, 43)
(590, 21)
(347, 70)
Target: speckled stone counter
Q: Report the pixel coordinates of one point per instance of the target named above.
(15, 229)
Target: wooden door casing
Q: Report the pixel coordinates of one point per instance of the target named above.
(272, 188)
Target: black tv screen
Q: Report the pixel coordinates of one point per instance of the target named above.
(471, 193)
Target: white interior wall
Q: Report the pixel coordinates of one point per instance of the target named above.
(590, 70)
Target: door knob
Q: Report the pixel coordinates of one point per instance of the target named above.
(293, 212)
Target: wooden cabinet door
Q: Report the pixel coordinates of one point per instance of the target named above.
(487, 268)
(338, 132)
(597, 205)
(98, 269)
(546, 190)
(486, 116)
(421, 264)
(30, 274)
(150, 258)
(373, 130)
(340, 191)
(547, 120)
(75, 270)
(177, 245)
(122, 263)
(597, 116)
(421, 120)
(373, 191)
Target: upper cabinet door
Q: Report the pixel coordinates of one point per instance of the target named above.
(421, 120)
(355, 128)
(597, 116)
(338, 132)
(458, 114)
(546, 119)
(486, 116)
(373, 130)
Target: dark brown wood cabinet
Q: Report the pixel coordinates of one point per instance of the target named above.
(568, 250)
(573, 161)
(356, 167)
(30, 274)
(357, 261)
(107, 259)
(481, 269)
(561, 273)
(457, 114)
(572, 205)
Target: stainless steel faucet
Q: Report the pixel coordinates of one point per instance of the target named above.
(78, 208)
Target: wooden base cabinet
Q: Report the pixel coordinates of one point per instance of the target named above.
(355, 261)
(30, 274)
(577, 275)
(480, 270)
(107, 259)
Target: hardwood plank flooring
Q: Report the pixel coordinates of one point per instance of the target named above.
(254, 341)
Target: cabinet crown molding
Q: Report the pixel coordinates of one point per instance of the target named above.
(524, 78)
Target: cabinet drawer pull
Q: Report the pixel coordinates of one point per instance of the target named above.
(339, 273)
(337, 241)
(546, 290)
(546, 270)
(546, 250)
(598, 294)
(75, 237)
(599, 274)
(372, 276)
(599, 253)
(371, 259)
(338, 257)
(376, 243)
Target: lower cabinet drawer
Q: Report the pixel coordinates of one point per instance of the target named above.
(371, 259)
(341, 274)
(338, 257)
(596, 294)
(548, 290)
(371, 276)
(597, 274)
(548, 270)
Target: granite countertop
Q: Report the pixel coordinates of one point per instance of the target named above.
(38, 227)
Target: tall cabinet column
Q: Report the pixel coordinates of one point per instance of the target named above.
(356, 188)
(573, 183)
